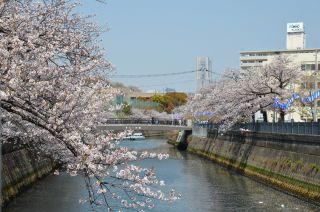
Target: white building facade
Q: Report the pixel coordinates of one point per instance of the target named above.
(307, 59)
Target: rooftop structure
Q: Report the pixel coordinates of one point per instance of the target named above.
(296, 37)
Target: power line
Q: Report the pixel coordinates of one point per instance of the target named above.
(169, 83)
(152, 75)
(158, 75)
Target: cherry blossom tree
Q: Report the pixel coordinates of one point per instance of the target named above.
(148, 114)
(277, 79)
(240, 94)
(53, 95)
(158, 115)
(138, 114)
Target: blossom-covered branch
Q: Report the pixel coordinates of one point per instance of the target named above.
(53, 94)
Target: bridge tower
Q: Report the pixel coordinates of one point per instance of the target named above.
(203, 72)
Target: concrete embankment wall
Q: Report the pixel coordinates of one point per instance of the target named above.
(167, 134)
(159, 134)
(20, 169)
(289, 162)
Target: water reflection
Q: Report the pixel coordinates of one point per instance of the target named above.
(204, 185)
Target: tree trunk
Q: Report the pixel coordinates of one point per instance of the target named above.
(281, 116)
(265, 116)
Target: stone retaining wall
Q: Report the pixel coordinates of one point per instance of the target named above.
(20, 169)
(290, 162)
(154, 133)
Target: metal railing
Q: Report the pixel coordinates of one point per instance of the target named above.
(200, 131)
(302, 128)
(145, 121)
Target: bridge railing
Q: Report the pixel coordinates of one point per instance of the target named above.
(302, 128)
(145, 121)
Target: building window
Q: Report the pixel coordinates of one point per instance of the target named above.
(308, 67)
(310, 85)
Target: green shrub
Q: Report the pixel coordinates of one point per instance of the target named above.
(289, 162)
(314, 167)
(126, 109)
(299, 163)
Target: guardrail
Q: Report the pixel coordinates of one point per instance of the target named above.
(301, 128)
(146, 121)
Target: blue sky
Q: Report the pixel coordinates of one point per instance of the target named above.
(155, 37)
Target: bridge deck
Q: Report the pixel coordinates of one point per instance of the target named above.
(154, 127)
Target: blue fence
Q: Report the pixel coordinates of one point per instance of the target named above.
(302, 128)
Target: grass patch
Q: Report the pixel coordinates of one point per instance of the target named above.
(174, 143)
(299, 163)
(289, 162)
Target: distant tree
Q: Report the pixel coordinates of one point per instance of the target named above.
(158, 115)
(177, 98)
(169, 101)
(126, 109)
(161, 100)
(139, 114)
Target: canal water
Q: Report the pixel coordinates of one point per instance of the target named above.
(204, 186)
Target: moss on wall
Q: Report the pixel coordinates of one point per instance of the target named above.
(278, 163)
(308, 190)
(19, 170)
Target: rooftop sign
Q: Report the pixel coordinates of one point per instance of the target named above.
(295, 27)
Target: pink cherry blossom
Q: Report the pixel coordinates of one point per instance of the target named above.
(54, 92)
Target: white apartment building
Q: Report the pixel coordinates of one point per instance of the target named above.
(307, 59)
(296, 50)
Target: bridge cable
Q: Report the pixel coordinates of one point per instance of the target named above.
(157, 75)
